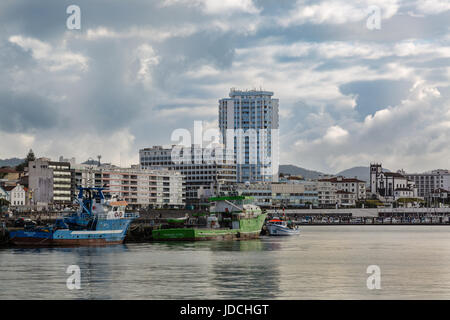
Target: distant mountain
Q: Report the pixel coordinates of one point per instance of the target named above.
(294, 170)
(362, 173)
(10, 162)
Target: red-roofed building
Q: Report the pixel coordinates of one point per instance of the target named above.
(10, 174)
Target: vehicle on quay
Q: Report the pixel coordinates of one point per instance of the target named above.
(356, 220)
(230, 217)
(26, 223)
(98, 221)
(278, 227)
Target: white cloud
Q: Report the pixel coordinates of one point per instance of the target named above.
(412, 135)
(147, 59)
(335, 134)
(15, 144)
(335, 12)
(154, 34)
(55, 59)
(218, 6)
(432, 6)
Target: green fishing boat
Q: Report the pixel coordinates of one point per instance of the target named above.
(229, 218)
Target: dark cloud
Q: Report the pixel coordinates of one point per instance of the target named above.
(376, 95)
(25, 112)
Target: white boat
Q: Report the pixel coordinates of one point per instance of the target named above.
(277, 227)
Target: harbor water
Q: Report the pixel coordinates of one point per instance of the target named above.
(324, 262)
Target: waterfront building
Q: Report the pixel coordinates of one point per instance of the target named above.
(286, 195)
(252, 117)
(326, 193)
(427, 183)
(50, 182)
(200, 167)
(390, 186)
(140, 188)
(345, 198)
(352, 185)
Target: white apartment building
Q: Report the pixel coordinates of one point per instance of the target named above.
(157, 188)
(345, 198)
(289, 195)
(255, 114)
(427, 183)
(326, 193)
(352, 185)
(199, 167)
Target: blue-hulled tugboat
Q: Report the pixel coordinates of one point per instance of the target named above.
(98, 221)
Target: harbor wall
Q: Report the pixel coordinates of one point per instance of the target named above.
(360, 212)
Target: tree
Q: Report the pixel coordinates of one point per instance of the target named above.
(3, 202)
(30, 157)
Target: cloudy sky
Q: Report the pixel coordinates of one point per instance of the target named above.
(137, 70)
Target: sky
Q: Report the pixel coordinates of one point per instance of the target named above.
(350, 93)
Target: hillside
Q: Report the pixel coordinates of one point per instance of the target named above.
(10, 162)
(294, 170)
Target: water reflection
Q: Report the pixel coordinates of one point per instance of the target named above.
(327, 263)
(249, 275)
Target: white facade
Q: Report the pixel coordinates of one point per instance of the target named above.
(299, 194)
(390, 186)
(255, 114)
(345, 198)
(326, 193)
(427, 183)
(139, 187)
(352, 185)
(18, 196)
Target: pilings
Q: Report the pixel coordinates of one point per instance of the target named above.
(4, 236)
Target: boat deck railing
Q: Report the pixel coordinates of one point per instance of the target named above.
(127, 215)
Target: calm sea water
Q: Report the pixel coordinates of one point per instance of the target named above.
(328, 262)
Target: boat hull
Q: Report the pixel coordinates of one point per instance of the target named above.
(276, 230)
(39, 242)
(249, 229)
(107, 233)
